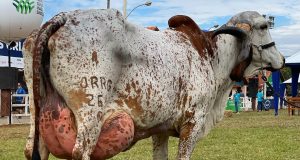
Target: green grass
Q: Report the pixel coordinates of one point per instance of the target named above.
(247, 136)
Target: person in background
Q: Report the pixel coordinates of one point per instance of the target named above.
(236, 98)
(260, 98)
(20, 90)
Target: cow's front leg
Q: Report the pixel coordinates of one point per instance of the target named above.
(89, 124)
(190, 132)
(160, 146)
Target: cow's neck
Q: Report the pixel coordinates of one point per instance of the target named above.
(226, 59)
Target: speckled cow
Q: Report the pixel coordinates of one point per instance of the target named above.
(98, 83)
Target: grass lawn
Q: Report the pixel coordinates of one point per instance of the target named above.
(247, 136)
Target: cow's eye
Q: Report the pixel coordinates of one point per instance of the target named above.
(264, 26)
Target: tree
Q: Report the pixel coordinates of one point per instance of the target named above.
(286, 73)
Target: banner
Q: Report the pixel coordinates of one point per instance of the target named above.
(16, 55)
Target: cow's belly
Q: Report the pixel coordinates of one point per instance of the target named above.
(58, 131)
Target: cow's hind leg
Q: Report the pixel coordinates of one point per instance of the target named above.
(28, 51)
(117, 131)
(43, 152)
(89, 124)
(160, 146)
(116, 135)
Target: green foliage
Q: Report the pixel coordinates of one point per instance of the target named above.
(286, 73)
(244, 136)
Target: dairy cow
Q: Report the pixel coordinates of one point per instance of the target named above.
(98, 83)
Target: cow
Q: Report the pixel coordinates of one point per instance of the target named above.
(98, 83)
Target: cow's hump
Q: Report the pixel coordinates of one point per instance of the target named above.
(200, 40)
(183, 22)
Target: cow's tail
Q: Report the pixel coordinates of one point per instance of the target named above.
(41, 58)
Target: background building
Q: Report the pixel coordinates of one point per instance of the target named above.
(11, 74)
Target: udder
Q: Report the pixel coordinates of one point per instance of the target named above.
(57, 128)
(58, 131)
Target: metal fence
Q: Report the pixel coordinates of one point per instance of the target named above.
(244, 105)
(24, 106)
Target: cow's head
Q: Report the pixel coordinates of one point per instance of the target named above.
(257, 47)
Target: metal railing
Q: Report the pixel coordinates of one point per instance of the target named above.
(21, 105)
(22, 109)
(245, 103)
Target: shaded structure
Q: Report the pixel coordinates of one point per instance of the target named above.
(294, 63)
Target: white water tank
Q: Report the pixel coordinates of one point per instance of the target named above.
(19, 18)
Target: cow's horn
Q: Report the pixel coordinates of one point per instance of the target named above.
(235, 31)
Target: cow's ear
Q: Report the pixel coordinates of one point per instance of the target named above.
(182, 22)
(246, 50)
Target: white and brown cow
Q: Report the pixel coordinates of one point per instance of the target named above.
(98, 83)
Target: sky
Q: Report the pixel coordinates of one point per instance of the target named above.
(206, 13)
